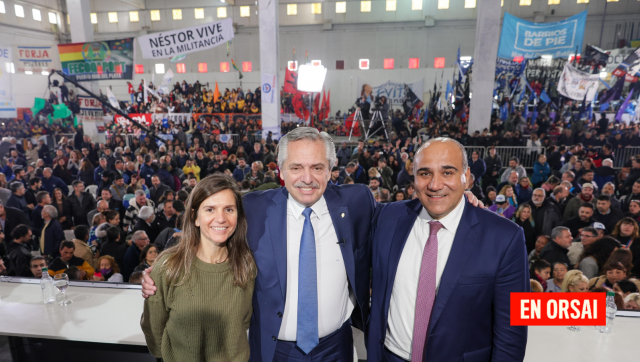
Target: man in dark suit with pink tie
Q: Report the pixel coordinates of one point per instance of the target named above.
(443, 271)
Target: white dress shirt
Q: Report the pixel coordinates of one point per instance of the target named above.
(335, 301)
(402, 307)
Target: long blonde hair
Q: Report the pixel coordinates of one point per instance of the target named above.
(573, 278)
(180, 257)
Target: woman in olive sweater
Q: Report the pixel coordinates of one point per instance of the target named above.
(202, 308)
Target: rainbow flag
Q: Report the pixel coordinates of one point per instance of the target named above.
(236, 67)
(98, 60)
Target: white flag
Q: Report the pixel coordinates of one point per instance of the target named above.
(112, 99)
(166, 80)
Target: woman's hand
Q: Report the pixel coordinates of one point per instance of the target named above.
(148, 286)
(97, 279)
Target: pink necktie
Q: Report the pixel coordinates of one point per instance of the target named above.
(426, 292)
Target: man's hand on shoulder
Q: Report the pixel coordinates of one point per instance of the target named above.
(148, 286)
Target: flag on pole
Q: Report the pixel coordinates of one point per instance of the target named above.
(178, 58)
(623, 107)
(327, 108)
(290, 81)
(216, 93)
(614, 93)
(236, 67)
(324, 104)
(112, 99)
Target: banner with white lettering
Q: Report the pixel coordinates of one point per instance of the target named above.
(98, 60)
(142, 118)
(177, 118)
(268, 88)
(576, 84)
(36, 58)
(394, 91)
(520, 38)
(5, 74)
(188, 40)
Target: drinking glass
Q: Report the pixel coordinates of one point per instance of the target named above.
(61, 281)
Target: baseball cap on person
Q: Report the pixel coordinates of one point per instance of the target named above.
(272, 166)
(500, 199)
(588, 184)
(598, 225)
(224, 152)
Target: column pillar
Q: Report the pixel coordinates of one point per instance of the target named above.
(82, 32)
(269, 61)
(484, 64)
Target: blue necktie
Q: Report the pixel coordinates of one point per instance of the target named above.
(307, 332)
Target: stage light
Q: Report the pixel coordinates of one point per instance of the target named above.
(311, 78)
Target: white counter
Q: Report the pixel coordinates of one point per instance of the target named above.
(102, 315)
(560, 344)
(106, 315)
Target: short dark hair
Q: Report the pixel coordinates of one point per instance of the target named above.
(112, 233)
(588, 205)
(540, 264)
(587, 171)
(20, 231)
(81, 232)
(36, 258)
(41, 195)
(107, 190)
(34, 181)
(76, 183)
(604, 198)
(67, 244)
(514, 158)
(589, 229)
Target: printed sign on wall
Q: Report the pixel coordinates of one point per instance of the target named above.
(532, 40)
(188, 40)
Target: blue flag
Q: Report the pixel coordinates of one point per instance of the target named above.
(545, 97)
(449, 91)
(604, 107)
(504, 112)
(623, 107)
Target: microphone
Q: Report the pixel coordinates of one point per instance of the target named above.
(341, 242)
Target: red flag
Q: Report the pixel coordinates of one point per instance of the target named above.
(290, 81)
(349, 123)
(316, 105)
(327, 106)
(298, 105)
(324, 104)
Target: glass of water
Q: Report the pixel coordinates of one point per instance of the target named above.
(61, 281)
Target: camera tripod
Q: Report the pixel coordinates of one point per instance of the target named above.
(377, 116)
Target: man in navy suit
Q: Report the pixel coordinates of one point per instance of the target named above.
(310, 242)
(443, 271)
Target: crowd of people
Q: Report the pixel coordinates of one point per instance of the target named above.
(123, 200)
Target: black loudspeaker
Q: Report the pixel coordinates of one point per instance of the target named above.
(553, 11)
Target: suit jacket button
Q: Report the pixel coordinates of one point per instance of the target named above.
(280, 314)
(273, 338)
(382, 341)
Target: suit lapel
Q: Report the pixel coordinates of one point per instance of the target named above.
(340, 219)
(404, 225)
(277, 221)
(460, 251)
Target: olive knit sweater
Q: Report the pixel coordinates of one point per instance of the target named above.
(205, 319)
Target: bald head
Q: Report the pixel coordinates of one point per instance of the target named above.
(102, 206)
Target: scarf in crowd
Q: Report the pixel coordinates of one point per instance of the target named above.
(542, 282)
(583, 198)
